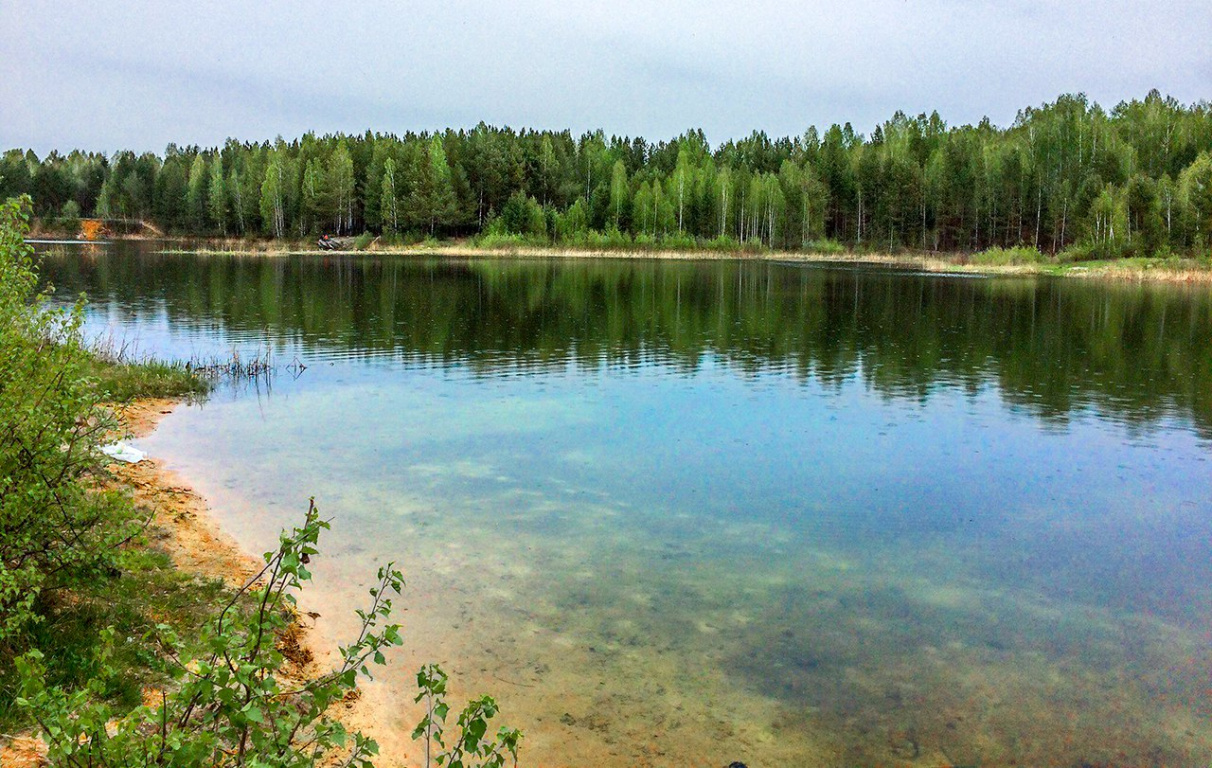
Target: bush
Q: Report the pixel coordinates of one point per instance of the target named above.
(678, 241)
(470, 746)
(1008, 256)
(1085, 251)
(51, 425)
(608, 240)
(826, 246)
(725, 243)
(232, 706)
(504, 240)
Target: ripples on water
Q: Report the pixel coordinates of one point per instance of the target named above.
(680, 513)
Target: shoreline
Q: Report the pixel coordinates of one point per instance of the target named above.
(185, 528)
(1172, 270)
(1180, 270)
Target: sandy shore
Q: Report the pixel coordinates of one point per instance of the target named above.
(183, 527)
(197, 544)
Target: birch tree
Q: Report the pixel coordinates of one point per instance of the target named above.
(389, 200)
(195, 195)
(217, 195)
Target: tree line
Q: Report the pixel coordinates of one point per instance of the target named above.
(1068, 175)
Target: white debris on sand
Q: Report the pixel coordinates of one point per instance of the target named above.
(124, 452)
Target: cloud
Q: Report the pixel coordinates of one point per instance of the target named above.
(86, 75)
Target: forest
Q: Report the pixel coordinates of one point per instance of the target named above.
(1065, 178)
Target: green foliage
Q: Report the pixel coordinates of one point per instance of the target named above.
(432, 201)
(61, 541)
(1007, 256)
(522, 215)
(69, 218)
(389, 200)
(678, 242)
(505, 241)
(51, 531)
(825, 246)
(146, 590)
(470, 747)
(231, 706)
(611, 239)
(196, 196)
(1195, 189)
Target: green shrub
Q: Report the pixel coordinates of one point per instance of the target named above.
(503, 240)
(724, 243)
(230, 706)
(146, 590)
(1085, 251)
(678, 241)
(1017, 255)
(611, 239)
(51, 425)
(826, 246)
(470, 747)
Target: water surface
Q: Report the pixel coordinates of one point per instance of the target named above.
(677, 513)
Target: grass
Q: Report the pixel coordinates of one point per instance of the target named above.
(1172, 269)
(122, 375)
(147, 591)
(121, 382)
(1005, 257)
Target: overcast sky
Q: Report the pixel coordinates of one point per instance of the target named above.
(105, 76)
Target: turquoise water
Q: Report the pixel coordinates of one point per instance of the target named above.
(679, 513)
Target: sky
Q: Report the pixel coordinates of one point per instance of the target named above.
(138, 75)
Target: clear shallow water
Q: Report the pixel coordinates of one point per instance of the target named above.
(679, 513)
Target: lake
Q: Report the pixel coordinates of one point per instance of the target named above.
(685, 513)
